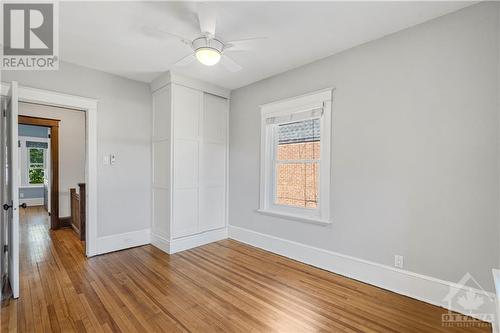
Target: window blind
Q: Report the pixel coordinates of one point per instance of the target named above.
(36, 144)
(314, 113)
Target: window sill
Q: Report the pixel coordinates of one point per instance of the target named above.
(32, 186)
(300, 218)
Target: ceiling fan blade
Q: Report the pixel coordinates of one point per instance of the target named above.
(242, 44)
(207, 19)
(245, 39)
(230, 64)
(159, 33)
(186, 60)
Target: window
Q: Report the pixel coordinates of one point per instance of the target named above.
(295, 161)
(35, 158)
(36, 166)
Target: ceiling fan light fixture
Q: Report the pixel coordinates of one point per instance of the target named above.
(208, 56)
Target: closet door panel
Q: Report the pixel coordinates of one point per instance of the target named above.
(161, 163)
(161, 212)
(161, 148)
(185, 212)
(212, 164)
(187, 106)
(214, 118)
(161, 113)
(213, 159)
(185, 164)
(212, 208)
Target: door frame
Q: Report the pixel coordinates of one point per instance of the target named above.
(53, 124)
(89, 106)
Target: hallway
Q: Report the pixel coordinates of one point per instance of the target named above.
(37, 246)
(41, 255)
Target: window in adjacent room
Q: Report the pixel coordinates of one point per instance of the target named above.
(36, 162)
(295, 168)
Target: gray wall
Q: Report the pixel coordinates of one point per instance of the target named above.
(33, 131)
(415, 148)
(124, 122)
(30, 193)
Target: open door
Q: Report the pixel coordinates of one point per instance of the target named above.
(10, 187)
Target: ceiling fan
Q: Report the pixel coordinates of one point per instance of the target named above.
(208, 49)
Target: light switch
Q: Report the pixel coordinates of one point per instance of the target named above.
(105, 160)
(112, 159)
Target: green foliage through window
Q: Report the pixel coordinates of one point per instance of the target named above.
(36, 165)
(36, 176)
(36, 155)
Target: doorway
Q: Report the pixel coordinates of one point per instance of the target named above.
(50, 150)
(39, 162)
(13, 94)
(63, 187)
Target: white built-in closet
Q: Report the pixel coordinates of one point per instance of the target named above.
(189, 163)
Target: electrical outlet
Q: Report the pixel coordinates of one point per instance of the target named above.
(398, 261)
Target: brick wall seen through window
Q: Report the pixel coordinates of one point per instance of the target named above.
(297, 164)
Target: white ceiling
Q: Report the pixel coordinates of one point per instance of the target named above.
(109, 36)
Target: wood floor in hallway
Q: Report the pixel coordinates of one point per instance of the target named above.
(224, 286)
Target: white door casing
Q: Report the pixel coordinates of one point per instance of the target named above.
(10, 185)
(90, 106)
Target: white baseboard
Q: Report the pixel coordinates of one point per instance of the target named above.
(188, 242)
(160, 242)
(424, 288)
(496, 279)
(123, 241)
(32, 201)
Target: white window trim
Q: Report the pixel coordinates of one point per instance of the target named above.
(321, 99)
(24, 163)
(28, 165)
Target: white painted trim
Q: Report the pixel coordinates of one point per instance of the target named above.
(424, 288)
(498, 106)
(169, 77)
(294, 217)
(13, 242)
(4, 88)
(24, 160)
(34, 138)
(496, 279)
(53, 98)
(188, 242)
(160, 242)
(89, 105)
(226, 210)
(31, 201)
(308, 99)
(123, 241)
(321, 99)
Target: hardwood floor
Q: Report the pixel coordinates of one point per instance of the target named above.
(224, 286)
